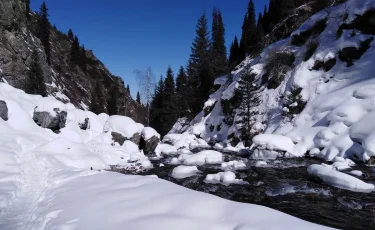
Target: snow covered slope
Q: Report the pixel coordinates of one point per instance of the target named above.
(323, 104)
(54, 180)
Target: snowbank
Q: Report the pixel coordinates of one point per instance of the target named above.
(158, 206)
(183, 171)
(339, 179)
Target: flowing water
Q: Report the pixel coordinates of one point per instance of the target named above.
(284, 185)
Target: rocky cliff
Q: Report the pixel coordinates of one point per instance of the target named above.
(66, 82)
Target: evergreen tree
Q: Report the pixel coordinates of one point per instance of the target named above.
(168, 108)
(43, 30)
(250, 99)
(219, 51)
(75, 51)
(35, 78)
(248, 31)
(70, 35)
(83, 59)
(259, 36)
(97, 99)
(234, 56)
(200, 71)
(182, 93)
(28, 11)
(112, 106)
(265, 20)
(285, 7)
(128, 88)
(138, 98)
(156, 105)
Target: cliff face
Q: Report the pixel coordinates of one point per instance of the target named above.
(65, 81)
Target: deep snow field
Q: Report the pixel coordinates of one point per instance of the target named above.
(46, 181)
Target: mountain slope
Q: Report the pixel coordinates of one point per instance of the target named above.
(321, 101)
(65, 81)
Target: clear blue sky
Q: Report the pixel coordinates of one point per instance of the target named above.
(135, 34)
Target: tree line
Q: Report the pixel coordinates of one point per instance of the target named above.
(184, 95)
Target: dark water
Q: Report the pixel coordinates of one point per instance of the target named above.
(284, 185)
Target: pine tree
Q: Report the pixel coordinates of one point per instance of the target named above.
(28, 11)
(201, 76)
(75, 51)
(70, 35)
(250, 99)
(112, 106)
(97, 99)
(138, 98)
(182, 93)
(259, 36)
(83, 59)
(128, 88)
(35, 78)
(234, 56)
(156, 105)
(169, 108)
(219, 51)
(43, 30)
(265, 20)
(248, 31)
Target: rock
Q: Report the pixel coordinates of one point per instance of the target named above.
(149, 145)
(136, 138)
(317, 65)
(3, 110)
(117, 137)
(85, 124)
(371, 161)
(328, 65)
(46, 120)
(349, 54)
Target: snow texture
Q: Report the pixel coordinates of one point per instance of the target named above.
(183, 171)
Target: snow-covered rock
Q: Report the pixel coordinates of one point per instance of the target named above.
(50, 113)
(165, 149)
(122, 128)
(233, 165)
(225, 178)
(151, 140)
(201, 158)
(339, 179)
(183, 171)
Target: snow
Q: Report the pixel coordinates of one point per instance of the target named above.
(201, 158)
(160, 205)
(149, 132)
(273, 142)
(165, 149)
(356, 173)
(122, 125)
(49, 104)
(182, 171)
(225, 178)
(339, 179)
(233, 165)
(260, 164)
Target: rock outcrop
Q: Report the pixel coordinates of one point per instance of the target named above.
(3, 110)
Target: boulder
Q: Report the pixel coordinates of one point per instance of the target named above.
(85, 124)
(46, 120)
(3, 110)
(150, 144)
(117, 137)
(136, 138)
